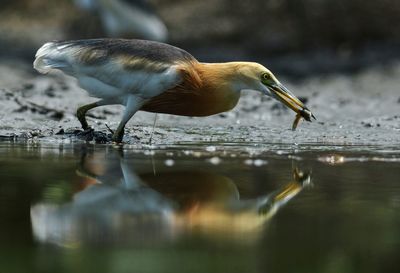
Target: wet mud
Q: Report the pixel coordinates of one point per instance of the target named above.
(356, 109)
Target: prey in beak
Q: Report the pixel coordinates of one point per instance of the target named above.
(281, 93)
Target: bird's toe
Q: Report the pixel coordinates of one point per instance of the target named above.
(101, 137)
(90, 134)
(86, 135)
(117, 136)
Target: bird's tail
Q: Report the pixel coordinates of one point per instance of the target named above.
(49, 57)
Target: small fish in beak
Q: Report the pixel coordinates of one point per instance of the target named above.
(288, 99)
(303, 113)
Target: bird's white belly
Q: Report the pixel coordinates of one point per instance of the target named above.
(113, 82)
(99, 89)
(146, 84)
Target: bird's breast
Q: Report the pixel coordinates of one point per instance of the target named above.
(193, 102)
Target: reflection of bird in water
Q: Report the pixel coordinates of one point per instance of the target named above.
(159, 78)
(112, 206)
(127, 18)
(127, 208)
(210, 203)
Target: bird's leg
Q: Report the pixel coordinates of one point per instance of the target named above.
(81, 112)
(119, 133)
(133, 104)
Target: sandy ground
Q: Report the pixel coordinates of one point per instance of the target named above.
(361, 109)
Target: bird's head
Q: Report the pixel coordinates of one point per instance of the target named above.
(256, 77)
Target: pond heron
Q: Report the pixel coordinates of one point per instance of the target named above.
(159, 78)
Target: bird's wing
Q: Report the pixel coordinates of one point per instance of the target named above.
(135, 66)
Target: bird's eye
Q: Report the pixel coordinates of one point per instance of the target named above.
(265, 77)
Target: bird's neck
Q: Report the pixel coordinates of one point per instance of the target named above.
(220, 75)
(206, 89)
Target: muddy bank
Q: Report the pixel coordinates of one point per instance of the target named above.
(351, 109)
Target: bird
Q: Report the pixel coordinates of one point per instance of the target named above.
(127, 18)
(157, 77)
(130, 206)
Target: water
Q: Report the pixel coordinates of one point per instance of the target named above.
(199, 208)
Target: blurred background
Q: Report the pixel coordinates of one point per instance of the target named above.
(296, 37)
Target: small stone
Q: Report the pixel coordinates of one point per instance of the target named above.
(57, 115)
(28, 86)
(35, 133)
(368, 125)
(50, 92)
(60, 132)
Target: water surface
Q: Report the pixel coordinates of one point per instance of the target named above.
(199, 208)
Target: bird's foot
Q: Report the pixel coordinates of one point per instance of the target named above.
(90, 134)
(118, 135)
(80, 114)
(117, 138)
(85, 126)
(86, 134)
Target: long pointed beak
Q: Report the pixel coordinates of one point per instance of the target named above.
(290, 100)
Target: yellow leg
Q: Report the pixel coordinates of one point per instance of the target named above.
(81, 112)
(118, 134)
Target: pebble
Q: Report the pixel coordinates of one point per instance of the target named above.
(28, 86)
(60, 132)
(368, 125)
